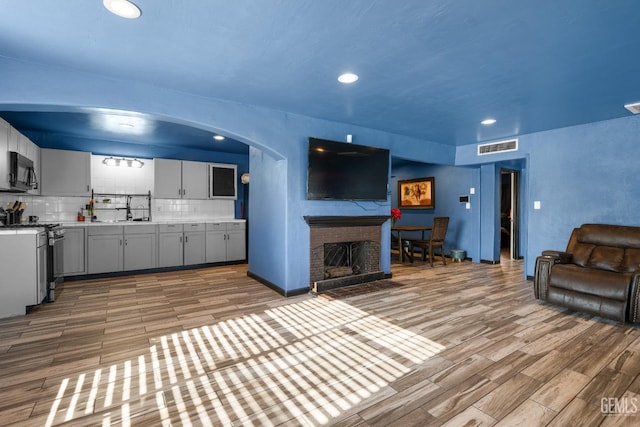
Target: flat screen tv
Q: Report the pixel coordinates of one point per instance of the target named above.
(342, 171)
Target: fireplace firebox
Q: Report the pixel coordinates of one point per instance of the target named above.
(344, 251)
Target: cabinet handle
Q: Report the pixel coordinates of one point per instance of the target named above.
(184, 192)
(87, 188)
(186, 239)
(179, 192)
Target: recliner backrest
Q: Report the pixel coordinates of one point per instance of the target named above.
(606, 247)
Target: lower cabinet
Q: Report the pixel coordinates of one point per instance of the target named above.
(170, 246)
(74, 253)
(226, 241)
(114, 248)
(105, 249)
(181, 244)
(140, 247)
(194, 244)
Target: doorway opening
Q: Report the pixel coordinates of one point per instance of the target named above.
(510, 213)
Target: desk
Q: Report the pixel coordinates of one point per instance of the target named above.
(408, 228)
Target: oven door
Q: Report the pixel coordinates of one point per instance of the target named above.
(56, 265)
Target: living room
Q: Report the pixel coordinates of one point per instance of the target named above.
(576, 145)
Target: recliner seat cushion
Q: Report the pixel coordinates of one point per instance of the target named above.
(605, 284)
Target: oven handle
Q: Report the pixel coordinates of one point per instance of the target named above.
(53, 240)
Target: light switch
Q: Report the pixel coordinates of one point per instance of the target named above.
(467, 205)
(536, 204)
(472, 190)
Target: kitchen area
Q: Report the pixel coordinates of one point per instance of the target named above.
(72, 214)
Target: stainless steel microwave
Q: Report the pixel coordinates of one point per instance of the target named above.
(22, 176)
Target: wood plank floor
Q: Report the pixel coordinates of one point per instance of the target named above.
(457, 345)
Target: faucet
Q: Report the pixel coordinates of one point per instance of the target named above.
(129, 215)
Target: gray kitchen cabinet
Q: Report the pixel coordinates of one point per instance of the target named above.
(194, 180)
(65, 173)
(105, 248)
(20, 266)
(4, 156)
(225, 241)
(140, 248)
(170, 245)
(216, 250)
(176, 179)
(236, 241)
(194, 243)
(73, 249)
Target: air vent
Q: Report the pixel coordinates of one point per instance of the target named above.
(498, 147)
(634, 108)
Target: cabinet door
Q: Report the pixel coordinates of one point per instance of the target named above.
(194, 248)
(139, 252)
(73, 250)
(236, 245)
(14, 140)
(65, 173)
(4, 154)
(216, 246)
(167, 178)
(170, 249)
(105, 254)
(194, 180)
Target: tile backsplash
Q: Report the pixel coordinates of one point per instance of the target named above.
(106, 179)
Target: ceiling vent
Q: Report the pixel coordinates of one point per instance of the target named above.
(498, 147)
(634, 108)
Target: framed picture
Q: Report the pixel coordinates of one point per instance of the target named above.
(416, 193)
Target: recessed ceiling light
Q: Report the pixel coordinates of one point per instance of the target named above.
(122, 8)
(347, 78)
(488, 122)
(218, 138)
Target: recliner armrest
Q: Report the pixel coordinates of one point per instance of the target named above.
(634, 298)
(544, 264)
(559, 257)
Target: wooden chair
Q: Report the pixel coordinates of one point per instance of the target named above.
(436, 240)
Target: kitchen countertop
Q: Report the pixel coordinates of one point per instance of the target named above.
(191, 221)
(14, 231)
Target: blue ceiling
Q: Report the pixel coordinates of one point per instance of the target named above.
(428, 69)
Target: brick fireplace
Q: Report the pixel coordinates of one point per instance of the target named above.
(344, 250)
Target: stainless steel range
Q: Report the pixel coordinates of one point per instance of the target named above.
(55, 259)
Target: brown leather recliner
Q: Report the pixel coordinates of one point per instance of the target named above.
(599, 273)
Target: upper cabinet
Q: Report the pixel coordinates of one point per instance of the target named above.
(65, 173)
(179, 179)
(4, 154)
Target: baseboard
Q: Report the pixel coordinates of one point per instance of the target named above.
(148, 271)
(278, 289)
(486, 261)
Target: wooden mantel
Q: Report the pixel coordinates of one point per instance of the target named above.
(345, 221)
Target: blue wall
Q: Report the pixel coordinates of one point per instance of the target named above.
(279, 236)
(580, 174)
(450, 183)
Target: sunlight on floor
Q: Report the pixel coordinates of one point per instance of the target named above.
(310, 361)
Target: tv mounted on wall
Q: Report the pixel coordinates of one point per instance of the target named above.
(342, 171)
